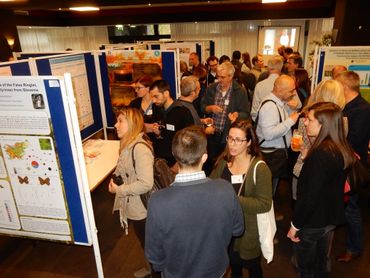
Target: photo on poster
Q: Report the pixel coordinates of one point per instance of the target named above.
(38, 101)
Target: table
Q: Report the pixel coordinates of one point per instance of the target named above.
(101, 159)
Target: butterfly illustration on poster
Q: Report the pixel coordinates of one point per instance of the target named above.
(34, 175)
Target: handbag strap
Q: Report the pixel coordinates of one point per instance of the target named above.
(255, 170)
(280, 121)
(245, 177)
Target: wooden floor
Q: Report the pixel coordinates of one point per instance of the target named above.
(122, 255)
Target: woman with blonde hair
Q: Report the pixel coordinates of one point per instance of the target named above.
(328, 91)
(133, 175)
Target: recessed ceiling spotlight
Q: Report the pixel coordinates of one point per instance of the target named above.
(273, 1)
(84, 9)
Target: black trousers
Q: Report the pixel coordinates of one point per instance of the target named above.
(215, 147)
(237, 264)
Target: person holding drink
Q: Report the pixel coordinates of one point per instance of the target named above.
(320, 207)
(297, 141)
(326, 91)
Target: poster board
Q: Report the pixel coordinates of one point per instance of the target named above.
(126, 66)
(15, 68)
(83, 71)
(42, 193)
(27, 55)
(355, 58)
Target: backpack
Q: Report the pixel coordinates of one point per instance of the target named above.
(163, 176)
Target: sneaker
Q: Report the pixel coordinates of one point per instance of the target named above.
(142, 273)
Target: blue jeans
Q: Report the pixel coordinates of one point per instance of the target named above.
(355, 236)
(312, 251)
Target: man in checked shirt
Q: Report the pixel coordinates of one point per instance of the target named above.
(225, 101)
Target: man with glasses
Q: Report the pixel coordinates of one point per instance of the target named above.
(225, 102)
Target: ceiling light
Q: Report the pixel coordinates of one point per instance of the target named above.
(273, 1)
(84, 9)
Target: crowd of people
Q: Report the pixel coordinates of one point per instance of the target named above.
(227, 139)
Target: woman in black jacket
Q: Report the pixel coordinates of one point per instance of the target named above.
(320, 206)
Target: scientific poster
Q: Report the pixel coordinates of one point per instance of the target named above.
(355, 58)
(124, 67)
(75, 65)
(32, 197)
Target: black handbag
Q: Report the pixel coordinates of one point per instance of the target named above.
(277, 160)
(358, 176)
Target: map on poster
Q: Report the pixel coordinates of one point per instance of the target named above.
(75, 65)
(32, 198)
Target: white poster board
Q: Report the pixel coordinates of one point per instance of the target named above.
(355, 58)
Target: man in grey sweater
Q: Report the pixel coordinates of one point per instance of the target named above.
(190, 224)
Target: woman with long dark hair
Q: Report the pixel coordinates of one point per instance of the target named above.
(240, 164)
(320, 207)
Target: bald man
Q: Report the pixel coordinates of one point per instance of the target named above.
(336, 70)
(274, 125)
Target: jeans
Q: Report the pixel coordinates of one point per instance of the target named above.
(354, 242)
(312, 251)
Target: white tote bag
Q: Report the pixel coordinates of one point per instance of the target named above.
(266, 225)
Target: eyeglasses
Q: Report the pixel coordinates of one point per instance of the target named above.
(236, 141)
(138, 88)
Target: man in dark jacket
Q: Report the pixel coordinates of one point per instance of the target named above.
(225, 101)
(357, 110)
(190, 224)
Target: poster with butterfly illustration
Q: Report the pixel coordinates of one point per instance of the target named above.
(40, 192)
(34, 174)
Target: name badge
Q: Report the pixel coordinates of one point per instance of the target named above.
(170, 127)
(236, 179)
(150, 112)
(227, 102)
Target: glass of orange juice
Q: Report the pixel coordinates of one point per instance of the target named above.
(297, 140)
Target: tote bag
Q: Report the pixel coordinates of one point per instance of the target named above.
(266, 225)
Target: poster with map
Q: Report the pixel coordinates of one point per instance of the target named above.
(32, 198)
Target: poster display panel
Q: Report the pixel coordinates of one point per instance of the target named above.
(81, 66)
(39, 192)
(355, 58)
(124, 67)
(75, 65)
(15, 68)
